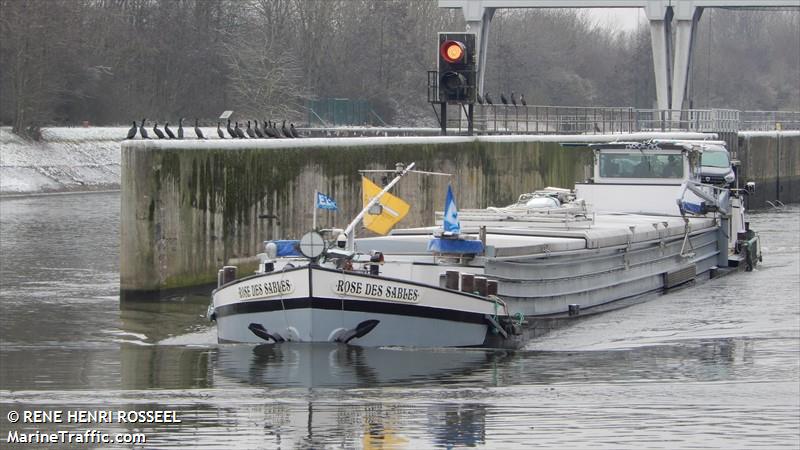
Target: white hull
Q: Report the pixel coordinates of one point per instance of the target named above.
(313, 306)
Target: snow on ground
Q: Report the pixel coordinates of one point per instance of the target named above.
(66, 159)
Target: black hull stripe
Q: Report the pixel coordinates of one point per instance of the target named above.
(400, 309)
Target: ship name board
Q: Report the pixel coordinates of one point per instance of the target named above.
(265, 289)
(379, 291)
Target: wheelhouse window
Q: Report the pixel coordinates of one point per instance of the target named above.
(636, 165)
(713, 158)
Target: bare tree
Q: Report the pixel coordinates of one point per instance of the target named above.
(36, 46)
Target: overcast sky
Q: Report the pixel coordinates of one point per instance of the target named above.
(617, 18)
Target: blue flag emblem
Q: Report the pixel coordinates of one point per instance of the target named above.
(450, 222)
(325, 202)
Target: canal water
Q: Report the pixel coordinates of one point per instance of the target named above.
(715, 365)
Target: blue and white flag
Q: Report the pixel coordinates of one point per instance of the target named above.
(325, 202)
(450, 222)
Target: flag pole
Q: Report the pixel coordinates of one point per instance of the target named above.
(314, 220)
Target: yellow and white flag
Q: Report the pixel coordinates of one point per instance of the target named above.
(394, 208)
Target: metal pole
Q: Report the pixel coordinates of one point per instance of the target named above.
(443, 106)
(470, 116)
(314, 220)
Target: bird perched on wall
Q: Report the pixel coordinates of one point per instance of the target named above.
(488, 99)
(239, 132)
(258, 131)
(513, 99)
(219, 131)
(180, 128)
(168, 131)
(268, 130)
(479, 98)
(250, 131)
(230, 130)
(142, 130)
(503, 99)
(522, 100)
(277, 130)
(285, 130)
(158, 132)
(197, 130)
(293, 130)
(132, 131)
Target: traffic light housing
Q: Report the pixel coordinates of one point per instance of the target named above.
(457, 73)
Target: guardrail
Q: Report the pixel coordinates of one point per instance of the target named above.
(769, 120)
(534, 119)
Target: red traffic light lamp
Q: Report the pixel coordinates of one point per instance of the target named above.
(453, 51)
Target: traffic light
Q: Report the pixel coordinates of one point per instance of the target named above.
(457, 67)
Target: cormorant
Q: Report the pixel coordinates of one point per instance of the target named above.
(522, 100)
(479, 98)
(142, 130)
(132, 131)
(158, 132)
(488, 99)
(230, 130)
(293, 130)
(168, 131)
(268, 130)
(514, 99)
(219, 131)
(239, 131)
(197, 130)
(250, 131)
(285, 130)
(503, 99)
(258, 131)
(180, 128)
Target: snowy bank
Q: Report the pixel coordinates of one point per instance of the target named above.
(66, 159)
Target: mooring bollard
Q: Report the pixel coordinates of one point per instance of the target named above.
(451, 279)
(491, 287)
(228, 274)
(481, 286)
(467, 282)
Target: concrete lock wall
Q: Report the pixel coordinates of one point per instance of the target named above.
(772, 160)
(190, 207)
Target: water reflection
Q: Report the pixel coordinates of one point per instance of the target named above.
(322, 365)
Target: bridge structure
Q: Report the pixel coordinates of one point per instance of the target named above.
(667, 18)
